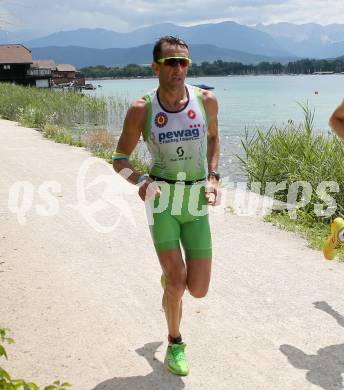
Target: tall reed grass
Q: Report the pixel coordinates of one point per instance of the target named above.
(296, 153)
(69, 117)
(33, 107)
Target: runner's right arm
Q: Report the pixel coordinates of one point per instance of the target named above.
(337, 121)
(133, 126)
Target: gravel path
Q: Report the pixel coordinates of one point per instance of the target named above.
(79, 287)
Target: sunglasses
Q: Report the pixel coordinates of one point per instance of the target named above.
(175, 61)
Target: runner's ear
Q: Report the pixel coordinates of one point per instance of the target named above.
(155, 68)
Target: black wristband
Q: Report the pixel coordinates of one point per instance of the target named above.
(214, 174)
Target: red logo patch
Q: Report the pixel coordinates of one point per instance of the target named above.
(191, 114)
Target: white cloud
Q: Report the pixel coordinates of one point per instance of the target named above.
(128, 15)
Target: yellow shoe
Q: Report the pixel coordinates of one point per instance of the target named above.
(336, 239)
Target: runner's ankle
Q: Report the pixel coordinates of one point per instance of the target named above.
(175, 340)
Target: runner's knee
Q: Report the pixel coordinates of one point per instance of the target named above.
(198, 292)
(176, 284)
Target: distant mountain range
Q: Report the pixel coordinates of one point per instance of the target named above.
(308, 40)
(228, 41)
(83, 56)
(227, 35)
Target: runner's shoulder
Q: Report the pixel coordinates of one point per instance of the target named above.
(209, 101)
(207, 95)
(139, 105)
(138, 109)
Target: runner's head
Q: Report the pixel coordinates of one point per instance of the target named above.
(171, 61)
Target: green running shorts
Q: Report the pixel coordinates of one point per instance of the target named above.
(180, 214)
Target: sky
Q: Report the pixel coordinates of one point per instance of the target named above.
(126, 15)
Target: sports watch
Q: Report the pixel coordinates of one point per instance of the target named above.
(214, 174)
(141, 179)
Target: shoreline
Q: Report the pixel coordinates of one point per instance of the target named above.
(215, 76)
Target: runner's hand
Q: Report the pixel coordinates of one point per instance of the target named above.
(149, 189)
(212, 192)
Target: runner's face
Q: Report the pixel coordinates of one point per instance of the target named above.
(171, 76)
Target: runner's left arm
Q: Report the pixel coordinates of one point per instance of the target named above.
(211, 108)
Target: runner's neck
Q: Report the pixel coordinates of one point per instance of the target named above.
(173, 100)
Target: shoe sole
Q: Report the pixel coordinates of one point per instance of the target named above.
(174, 372)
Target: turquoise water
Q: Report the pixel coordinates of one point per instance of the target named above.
(249, 102)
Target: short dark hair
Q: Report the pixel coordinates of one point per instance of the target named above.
(167, 39)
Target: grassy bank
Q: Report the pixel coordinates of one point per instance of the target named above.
(34, 107)
(293, 154)
(67, 117)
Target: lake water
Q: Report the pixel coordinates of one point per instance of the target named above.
(249, 102)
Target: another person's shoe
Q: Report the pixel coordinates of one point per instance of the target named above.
(176, 360)
(335, 240)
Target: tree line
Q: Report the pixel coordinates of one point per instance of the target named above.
(223, 68)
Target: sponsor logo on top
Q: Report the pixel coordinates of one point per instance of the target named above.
(191, 114)
(179, 135)
(161, 119)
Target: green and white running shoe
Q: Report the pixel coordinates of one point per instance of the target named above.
(176, 360)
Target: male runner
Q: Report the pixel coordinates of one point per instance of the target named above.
(179, 124)
(337, 121)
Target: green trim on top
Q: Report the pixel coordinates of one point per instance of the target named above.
(201, 105)
(148, 125)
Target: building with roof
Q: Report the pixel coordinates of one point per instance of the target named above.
(67, 74)
(15, 61)
(18, 67)
(42, 72)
